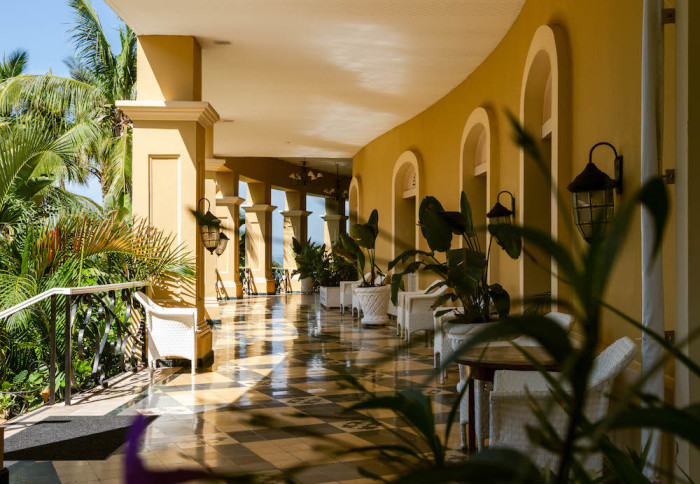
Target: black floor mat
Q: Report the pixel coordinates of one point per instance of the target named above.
(69, 438)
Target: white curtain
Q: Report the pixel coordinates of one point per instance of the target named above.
(652, 268)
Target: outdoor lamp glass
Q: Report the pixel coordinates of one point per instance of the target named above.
(592, 192)
(209, 226)
(223, 242)
(499, 214)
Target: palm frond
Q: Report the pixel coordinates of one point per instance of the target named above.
(91, 45)
(52, 94)
(13, 65)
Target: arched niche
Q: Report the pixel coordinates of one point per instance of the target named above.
(476, 166)
(405, 190)
(354, 194)
(542, 114)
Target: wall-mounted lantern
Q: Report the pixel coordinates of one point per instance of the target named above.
(209, 228)
(500, 214)
(592, 191)
(223, 242)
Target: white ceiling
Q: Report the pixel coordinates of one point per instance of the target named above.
(322, 78)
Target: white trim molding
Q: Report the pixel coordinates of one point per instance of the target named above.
(199, 111)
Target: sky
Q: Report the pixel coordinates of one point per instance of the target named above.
(41, 28)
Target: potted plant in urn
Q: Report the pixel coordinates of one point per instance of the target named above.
(462, 270)
(358, 248)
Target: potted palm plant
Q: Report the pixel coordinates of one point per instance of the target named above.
(358, 248)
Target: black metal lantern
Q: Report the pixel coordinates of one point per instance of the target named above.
(223, 242)
(499, 214)
(593, 199)
(209, 228)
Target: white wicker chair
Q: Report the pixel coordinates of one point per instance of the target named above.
(346, 294)
(411, 290)
(410, 285)
(172, 332)
(482, 389)
(418, 312)
(442, 346)
(510, 404)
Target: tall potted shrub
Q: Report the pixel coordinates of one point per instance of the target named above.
(358, 248)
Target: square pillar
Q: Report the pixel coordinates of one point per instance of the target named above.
(295, 226)
(335, 219)
(258, 237)
(170, 125)
(228, 285)
(211, 300)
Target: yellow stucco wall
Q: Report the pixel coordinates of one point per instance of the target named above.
(604, 55)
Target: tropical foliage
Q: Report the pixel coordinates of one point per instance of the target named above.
(98, 78)
(462, 270)
(55, 131)
(358, 248)
(323, 267)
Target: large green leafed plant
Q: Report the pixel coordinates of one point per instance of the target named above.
(462, 270)
(358, 248)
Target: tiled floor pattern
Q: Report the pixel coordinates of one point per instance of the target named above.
(278, 358)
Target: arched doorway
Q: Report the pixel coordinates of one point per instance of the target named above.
(476, 167)
(540, 112)
(354, 201)
(404, 211)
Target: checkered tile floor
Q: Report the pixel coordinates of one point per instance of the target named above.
(279, 358)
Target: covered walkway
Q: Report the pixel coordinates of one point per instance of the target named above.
(275, 356)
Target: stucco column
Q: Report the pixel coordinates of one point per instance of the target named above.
(295, 226)
(258, 237)
(228, 210)
(211, 299)
(687, 207)
(170, 124)
(335, 219)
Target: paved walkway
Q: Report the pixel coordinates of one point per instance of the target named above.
(278, 357)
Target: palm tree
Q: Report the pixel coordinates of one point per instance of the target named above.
(14, 64)
(98, 78)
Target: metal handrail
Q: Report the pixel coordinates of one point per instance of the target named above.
(70, 291)
(74, 296)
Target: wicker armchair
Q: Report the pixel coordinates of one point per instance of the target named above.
(418, 312)
(482, 388)
(510, 404)
(172, 332)
(346, 294)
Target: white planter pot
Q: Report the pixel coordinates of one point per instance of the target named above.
(330, 296)
(375, 303)
(307, 286)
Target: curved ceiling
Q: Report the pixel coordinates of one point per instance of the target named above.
(322, 78)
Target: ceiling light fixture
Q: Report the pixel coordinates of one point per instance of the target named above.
(304, 175)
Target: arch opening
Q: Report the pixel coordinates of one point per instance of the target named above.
(538, 119)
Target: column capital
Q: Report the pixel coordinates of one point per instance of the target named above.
(296, 213)
(334, 217)
(216, 165)
(263, 207)
(229, 201)
(199, 111)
